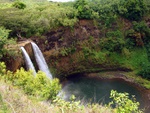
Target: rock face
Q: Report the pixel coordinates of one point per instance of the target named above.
(67, 36)
(16, 60)
(13, 63)
(66, 49)
(62, 47)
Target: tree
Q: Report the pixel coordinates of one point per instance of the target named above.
(19, 5)
(132, 9)
(84, 11)
(3, 39)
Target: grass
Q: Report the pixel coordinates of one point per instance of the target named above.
(13, 100)
(5, 5)
(133, 60)
(138, 79)
(3, 107)
(137, 58)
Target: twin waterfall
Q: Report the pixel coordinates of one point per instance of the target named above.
(40, 60)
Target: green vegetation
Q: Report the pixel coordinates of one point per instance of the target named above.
(36, 19)
(39, 17)
(123, 42)
(84, 10)
(3, 105)
(19, 5)
(117, 43)
(132, 9)
(40, 87)
(123, 104)
(4, 41)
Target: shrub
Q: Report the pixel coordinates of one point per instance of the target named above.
(3, 105)
(37, 19)
(87, 51)
(39, 86)
(137, 35)
(145, 70)
(99, 57)
(140, 26)
(65, 51)
(71, 105)
(130, 39)
(112, 44)
(2, 69)
(123, 104)
(19, 5)
(4, 33)
(116, 33)
(84, 11)
(132, 9)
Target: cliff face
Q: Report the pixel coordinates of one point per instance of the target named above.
(63, 46)
(59, 46)
(66, 49)
(15, 60)
(66, 36)
(69, 50)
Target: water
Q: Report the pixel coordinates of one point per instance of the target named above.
(40, 60)
(28, 61)
(96, 90)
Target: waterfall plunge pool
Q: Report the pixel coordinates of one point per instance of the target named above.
(94, 89)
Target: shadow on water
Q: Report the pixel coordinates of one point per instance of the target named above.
(97, 90)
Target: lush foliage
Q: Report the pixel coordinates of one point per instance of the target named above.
(83, 8)
(139, 36)
(107, 10)
(19, 5)
(132, 9)
(3, 106)
(145, 70)
(3, 38)
(123, 104)
(4, 41)
(73, 105)
(39, 85)
(116, 47)
(2, 68)
(37, 19)
(112, 44)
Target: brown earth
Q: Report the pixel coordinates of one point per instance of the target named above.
(63, 48)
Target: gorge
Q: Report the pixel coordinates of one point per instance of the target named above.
(88, 48)
(91, 89)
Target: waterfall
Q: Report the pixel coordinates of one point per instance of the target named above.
(28, 61)
(41, 60)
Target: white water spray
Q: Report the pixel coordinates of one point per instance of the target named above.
(28, 61)
(41, 60)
